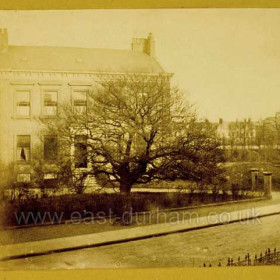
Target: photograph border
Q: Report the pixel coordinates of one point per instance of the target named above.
(137, 274)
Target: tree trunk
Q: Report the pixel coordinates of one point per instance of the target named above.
(125, 188)
(126, 216)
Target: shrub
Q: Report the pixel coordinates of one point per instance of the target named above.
(98, 202)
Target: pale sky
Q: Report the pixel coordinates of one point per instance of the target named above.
(227, 60)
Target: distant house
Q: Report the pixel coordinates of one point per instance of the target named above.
(35, 80)
(237, 134)
(249, 134)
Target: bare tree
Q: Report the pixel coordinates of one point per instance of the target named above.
(134, 128)
(201, 160)
(266, 137)
(277, 129)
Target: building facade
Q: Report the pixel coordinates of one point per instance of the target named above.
(34, 81)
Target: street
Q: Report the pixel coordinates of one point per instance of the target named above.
(210, 245)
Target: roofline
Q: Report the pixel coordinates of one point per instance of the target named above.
(89, 72)
(73, 47)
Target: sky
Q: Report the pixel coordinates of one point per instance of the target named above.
(226, 60)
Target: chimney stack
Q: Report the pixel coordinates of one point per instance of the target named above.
(3, 40)
(144, 45)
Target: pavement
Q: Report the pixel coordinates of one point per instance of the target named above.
(76, 227)
(44, 247)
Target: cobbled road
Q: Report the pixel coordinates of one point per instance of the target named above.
(209, 245)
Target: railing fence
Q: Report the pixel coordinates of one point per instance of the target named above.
(270, 257)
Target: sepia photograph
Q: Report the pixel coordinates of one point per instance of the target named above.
(139, 138)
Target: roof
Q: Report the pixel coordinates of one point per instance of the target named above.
(78, 60)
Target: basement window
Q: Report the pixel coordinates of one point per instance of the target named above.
(23, 177)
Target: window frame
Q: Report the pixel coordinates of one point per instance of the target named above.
(85, 91)
(80, 86)
(45, 91)
(27, 161)
(44, 148)
(16, 92)
(44, 88)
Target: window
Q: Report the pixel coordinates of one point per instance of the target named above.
(50, 176)
(23, 103)
(23, 147)
(23, 177)
(80, 151)
(50, 180)
(50, 103)
(50, 147)
(80, 101)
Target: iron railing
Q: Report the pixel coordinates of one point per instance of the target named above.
(268, 258)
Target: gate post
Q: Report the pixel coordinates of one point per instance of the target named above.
(254, 178)
(267, 180)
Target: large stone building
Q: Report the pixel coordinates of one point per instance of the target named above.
(34, 81)
(238, 134)
(250, 134)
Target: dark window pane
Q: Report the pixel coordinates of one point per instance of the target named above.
(80, 151)
(50, 147)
